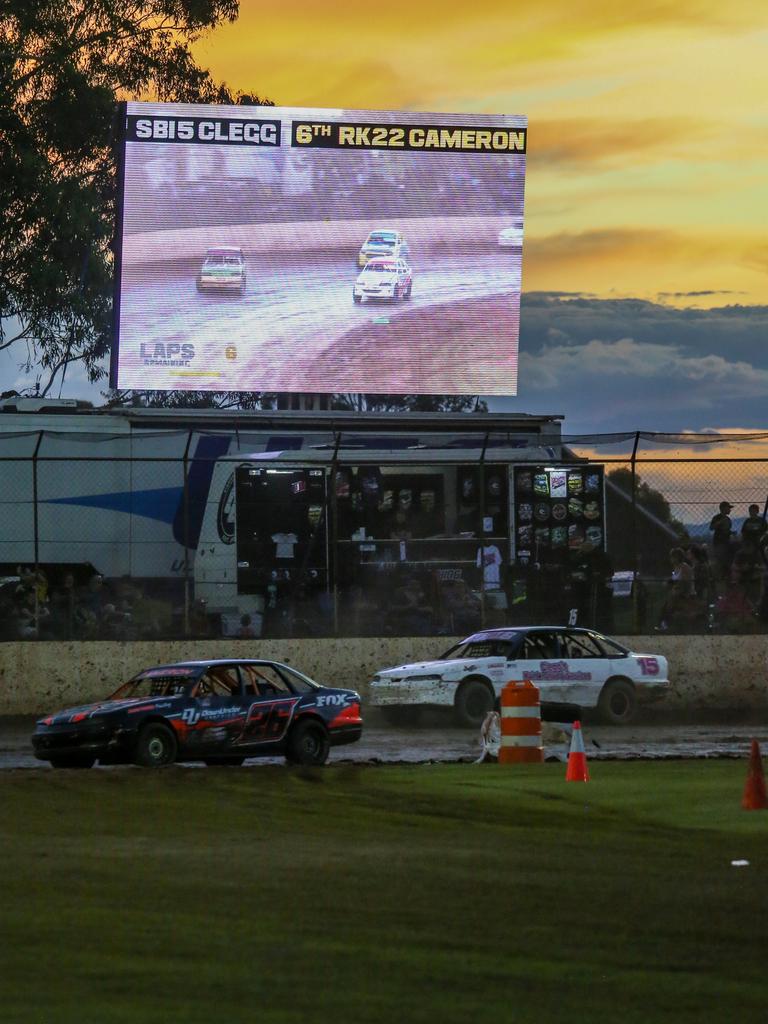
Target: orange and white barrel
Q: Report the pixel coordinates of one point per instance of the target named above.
(520, 724)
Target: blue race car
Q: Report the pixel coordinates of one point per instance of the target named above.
(219, 712)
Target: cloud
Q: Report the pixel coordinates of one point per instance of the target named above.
(630, 364)
(582, 140)
(736, 333)
(692, 295)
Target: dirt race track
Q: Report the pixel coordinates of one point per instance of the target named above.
(436, 740)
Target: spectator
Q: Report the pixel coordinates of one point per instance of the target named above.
(115, 623)
(246, 630)
(410, 613)
(30, 614)
(150, 618)
(762, 606)
(722, 534)
(752, 530)
(703, 581)
(680, 608)
(461, 606)
(63, 605)
(199, 622)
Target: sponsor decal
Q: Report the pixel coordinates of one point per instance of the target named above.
(191, 716)
(436, 138)
(225, 518)
(331, 700)
(173, 353)
(220, 131)
(552, 671)
(230, 352)
(215, 713)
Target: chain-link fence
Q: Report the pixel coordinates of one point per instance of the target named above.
(185, 534)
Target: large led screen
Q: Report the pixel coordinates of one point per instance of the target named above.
(287, 249)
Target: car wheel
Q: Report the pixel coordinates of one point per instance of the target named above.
(156, 746)
(83, 761)
(408, 291)
(230, 762)
(308, 743)
(473, 702)
(199, 286)
(358, 298)
(618, 702)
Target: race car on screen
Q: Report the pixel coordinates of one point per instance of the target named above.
(574, 669)
(382, 242)
(223, 270)
(218, 712)
(384, 279)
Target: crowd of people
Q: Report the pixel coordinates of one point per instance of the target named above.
(727, 593)
(720, 587)
(34, 608)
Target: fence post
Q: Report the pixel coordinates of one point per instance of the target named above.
(185, 498)
(481, 533)
(36, 524)
(333, 568)
(635, 557)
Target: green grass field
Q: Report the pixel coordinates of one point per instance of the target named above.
(383, 894)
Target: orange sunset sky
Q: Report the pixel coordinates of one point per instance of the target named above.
(647, 160)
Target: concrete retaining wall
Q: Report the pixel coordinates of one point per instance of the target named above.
(707, 672)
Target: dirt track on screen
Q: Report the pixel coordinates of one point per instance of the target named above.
(400, 348)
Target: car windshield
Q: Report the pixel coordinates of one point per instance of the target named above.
(156, 682)
(488, 647)
(381, 268)
(382, 237)
(222, 261)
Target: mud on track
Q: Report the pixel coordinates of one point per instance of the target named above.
(435, 739)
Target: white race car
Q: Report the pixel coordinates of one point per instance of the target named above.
(382, 242)
(384, 279)
(573, 669)
(223, 270)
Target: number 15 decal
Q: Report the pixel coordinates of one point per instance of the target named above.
(648, 666)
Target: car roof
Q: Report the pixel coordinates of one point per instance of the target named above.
(224, 250)
(503, 633)
(213, 662)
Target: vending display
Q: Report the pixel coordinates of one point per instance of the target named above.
(557, 511)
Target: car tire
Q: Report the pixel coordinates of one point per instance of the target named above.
(83, 761)
(617, 704)
(474, 700)
(358, 298)
(156, 746)
(308, 743)
(199, 286)
(408, 291)
(229, 762)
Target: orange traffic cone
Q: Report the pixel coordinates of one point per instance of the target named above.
(577, 770)
(754, 798)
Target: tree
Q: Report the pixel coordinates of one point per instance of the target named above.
(649, 498)
(63, 66)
